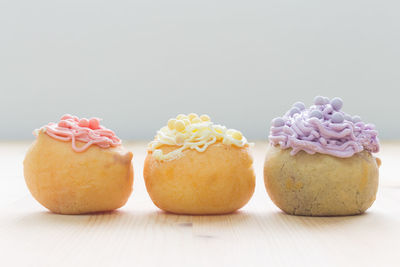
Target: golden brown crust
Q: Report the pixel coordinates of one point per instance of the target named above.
(217, 181)
(68, 182)
(320, 185)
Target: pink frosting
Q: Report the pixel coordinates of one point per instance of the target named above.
(88, 131)
(323, 128)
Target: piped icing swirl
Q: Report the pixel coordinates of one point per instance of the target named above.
(88, 131)
(192, 132)
(323, 128)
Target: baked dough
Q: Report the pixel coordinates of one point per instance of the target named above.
(320, 184)
(217, 181)
(68, 182)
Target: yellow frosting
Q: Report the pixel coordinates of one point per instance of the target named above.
(192, 132)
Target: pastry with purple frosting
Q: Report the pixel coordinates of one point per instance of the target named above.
(320, 162)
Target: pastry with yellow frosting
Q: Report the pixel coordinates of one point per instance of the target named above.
(194, 166)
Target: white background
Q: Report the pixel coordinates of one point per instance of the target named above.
(138, 63)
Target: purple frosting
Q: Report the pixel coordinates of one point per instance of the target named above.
(323, 128)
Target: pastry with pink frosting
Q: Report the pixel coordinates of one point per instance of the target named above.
(78, 166)
(320, 160)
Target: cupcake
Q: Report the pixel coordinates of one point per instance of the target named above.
(320, 162)
(194, 166)
(78, 166)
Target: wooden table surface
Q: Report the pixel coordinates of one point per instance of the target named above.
(139, 234)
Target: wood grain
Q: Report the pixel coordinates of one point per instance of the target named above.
(141, 235)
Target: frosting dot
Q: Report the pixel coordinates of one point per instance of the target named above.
(299, 105)
(191, 116)
(293, 111)
(181, 117)
(94, 123)
(347, 117)
(218, 129)
(179, 125)
(319, 100)
(337, 118)
(64, 124)
(66, 117)
(237, 135)
(171, 123)
(278, 122)
(205, 117)
(83, 122)
(230, 131)
(337, 103)
(326, 100)
(196, 120)
(316, 114)
(356, 119)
